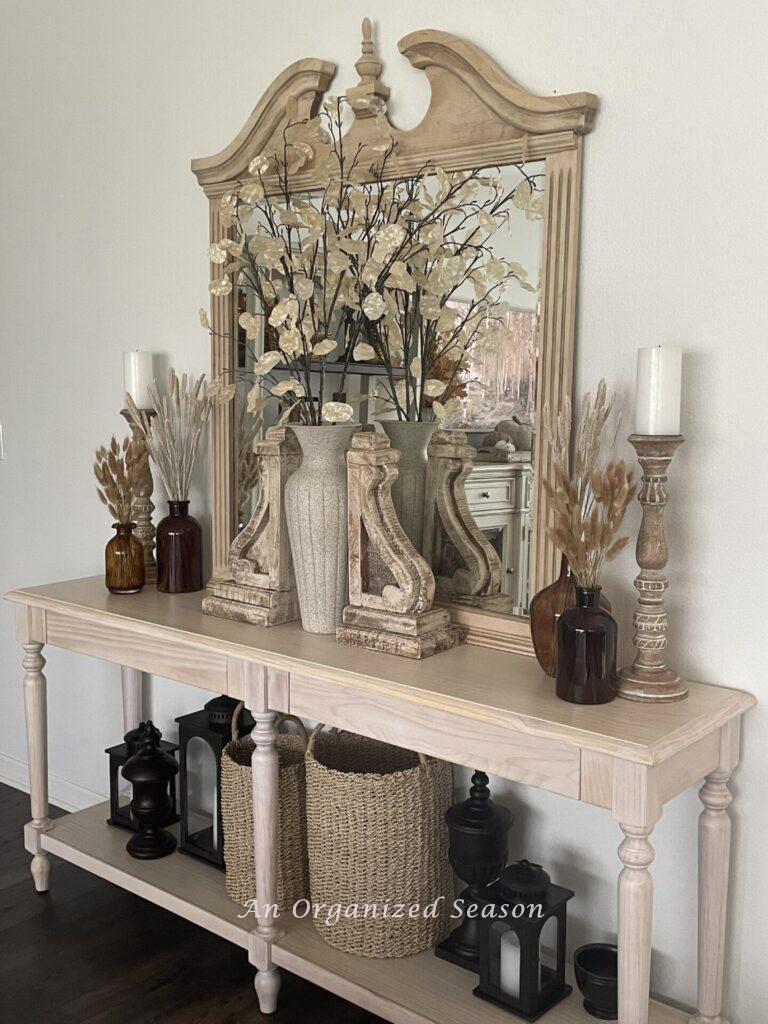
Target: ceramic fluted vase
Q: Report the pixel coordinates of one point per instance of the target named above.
(409, 490)
(316, 514)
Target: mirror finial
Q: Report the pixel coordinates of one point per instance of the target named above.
(369, 68)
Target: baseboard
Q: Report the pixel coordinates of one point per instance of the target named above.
(61, 792)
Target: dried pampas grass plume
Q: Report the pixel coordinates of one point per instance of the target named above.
(588, 505)
(173, 435)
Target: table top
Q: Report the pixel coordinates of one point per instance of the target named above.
(476, 682)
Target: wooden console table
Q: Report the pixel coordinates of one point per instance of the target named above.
(481, 708)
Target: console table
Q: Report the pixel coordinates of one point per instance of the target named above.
(476, 707)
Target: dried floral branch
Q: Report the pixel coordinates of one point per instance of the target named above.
(118, 470)
(588, 503)
(173, 435)
(366, 270)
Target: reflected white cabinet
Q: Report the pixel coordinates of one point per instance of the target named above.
(499, 498)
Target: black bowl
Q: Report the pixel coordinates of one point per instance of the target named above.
(596, 969)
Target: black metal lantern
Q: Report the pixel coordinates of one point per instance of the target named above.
(515, 913)
(477, 830)
(120, 812)
(202, 738)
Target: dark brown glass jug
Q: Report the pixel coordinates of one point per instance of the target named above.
(179, 552)
(586, 651)
(124, 561)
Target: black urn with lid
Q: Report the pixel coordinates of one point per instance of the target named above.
(150, 771)
(477, 830)
(119, 807)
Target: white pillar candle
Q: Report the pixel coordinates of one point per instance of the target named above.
(137, 376)
(509, 964)
(657, 402)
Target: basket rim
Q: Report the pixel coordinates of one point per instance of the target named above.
(245, 744)
(399, 773)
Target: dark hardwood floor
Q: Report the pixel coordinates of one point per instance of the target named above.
(89, 953)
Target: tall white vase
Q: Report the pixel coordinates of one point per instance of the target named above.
(316, 513)
(409, 490)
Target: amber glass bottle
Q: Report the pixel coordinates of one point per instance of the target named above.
(179, 551)
(124, 561)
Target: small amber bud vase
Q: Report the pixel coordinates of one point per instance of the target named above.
(179, 551)
(586, 651)
(124, 561)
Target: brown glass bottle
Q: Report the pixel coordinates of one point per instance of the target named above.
(179, 551)
(586, 651)
(124, 561)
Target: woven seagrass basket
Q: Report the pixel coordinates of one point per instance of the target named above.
(377, 837)
(237, 817)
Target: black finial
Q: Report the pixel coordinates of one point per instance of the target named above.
(479, 792)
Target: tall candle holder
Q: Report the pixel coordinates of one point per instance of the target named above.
(648, 678)
(145, 530)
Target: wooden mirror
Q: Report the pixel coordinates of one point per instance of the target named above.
(478, 117)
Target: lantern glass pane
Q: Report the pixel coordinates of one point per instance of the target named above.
(202, 800)
(509, 964)
(548, 950)
(124, 794)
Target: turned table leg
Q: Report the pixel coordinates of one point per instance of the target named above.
(714, 862)
(265, 775)
(132, 697)
(35, 712)
(635, 919)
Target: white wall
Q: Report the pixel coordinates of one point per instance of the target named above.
(104, 233)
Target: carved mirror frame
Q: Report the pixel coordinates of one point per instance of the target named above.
(477, 116)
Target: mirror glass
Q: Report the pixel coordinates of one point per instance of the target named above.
(498, 416)
(493, 390)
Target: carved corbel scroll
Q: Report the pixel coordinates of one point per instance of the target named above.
(451, 534)
(264, 589)
(391, 586)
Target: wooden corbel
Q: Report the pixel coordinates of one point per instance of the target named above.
(450, 531)
(263, 589)
(391, 586)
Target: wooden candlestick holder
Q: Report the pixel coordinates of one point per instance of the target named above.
(145, 530)
(648, 678)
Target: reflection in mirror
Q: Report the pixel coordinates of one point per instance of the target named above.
(499, 407)
(470, 366)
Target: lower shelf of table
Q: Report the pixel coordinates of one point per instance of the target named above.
(414, 990)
